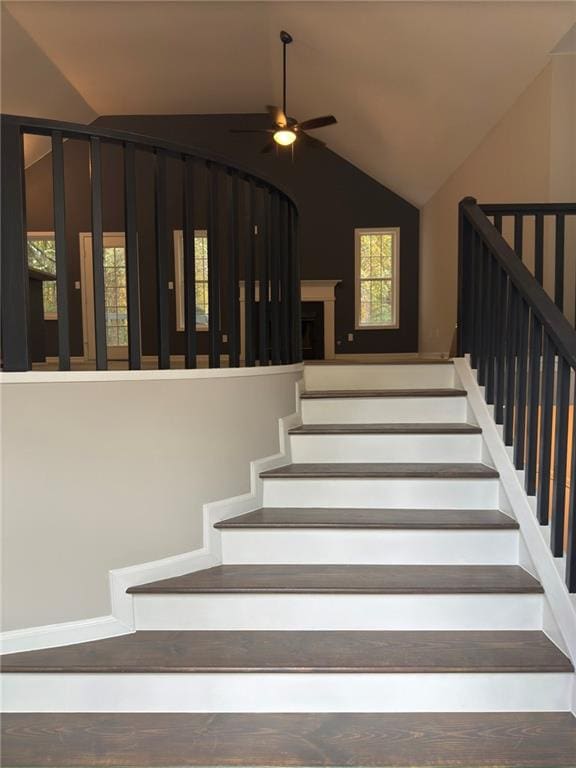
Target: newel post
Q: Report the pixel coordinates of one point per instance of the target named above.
(14, 273)
(464, 240)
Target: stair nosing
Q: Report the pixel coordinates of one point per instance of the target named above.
(345, 394)
(394, 470)
(389, 428)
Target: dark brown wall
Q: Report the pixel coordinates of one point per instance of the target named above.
(334, 197)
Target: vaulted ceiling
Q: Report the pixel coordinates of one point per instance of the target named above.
(415, 85)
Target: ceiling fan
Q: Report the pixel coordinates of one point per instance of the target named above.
(286, 130)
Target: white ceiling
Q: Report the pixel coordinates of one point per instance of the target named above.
(415, 85)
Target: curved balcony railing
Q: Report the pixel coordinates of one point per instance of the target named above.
(251, 227)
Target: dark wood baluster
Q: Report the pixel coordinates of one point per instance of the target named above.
(189, 258)
(464, 304)
(249, 267)
(285, 282)
(98, 254)
(545, 446)
(559, 262)
(501, 310)
(521, 376)
(571, 548)
(518, 234)
(14, 262)
(234, 225)
(498, 222)
(213, 267)
(162, 262)
(560, 457)
(274, 250)
(533, 403)
(539, 248)
(296, 302)
(132, 261)
(476, 351)
(60, 244)
(511, 333)
(485, 311)
(490, 324)
(263, 353)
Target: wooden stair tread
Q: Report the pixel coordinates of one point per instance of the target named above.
(423, 519)
(309, 651)
(383, 470)
(395, 740)
(349, 579)
(429, 428)
(323, 394)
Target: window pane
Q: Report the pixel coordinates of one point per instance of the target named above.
(376, 302)
(42, 256)
(376, 265)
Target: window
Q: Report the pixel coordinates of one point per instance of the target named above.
(201, 274)
(42, 256)
(116, 302)
(377, 278)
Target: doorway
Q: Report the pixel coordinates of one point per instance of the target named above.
(115, 298)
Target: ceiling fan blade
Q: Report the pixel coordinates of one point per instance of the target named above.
(311, 141)
(317, 122)
(267, 147)
(252, 130)
(277, 115)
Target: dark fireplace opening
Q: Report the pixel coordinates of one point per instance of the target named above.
(313, 330)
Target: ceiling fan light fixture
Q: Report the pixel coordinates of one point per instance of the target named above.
(285, 137)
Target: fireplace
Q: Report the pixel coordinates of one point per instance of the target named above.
(318, 331)
(313, 330)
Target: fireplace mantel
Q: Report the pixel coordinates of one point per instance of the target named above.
(310, 290)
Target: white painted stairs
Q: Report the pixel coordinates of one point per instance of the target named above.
(383, 571)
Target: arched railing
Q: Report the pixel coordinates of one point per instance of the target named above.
(250, 228)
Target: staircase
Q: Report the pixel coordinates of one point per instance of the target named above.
(373, 612)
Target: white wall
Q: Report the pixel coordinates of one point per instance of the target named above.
(529, 156)
(32, 85)
(102, 475)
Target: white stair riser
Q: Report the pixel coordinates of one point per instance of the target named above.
(299, 692)
(426, 376)
(338, 612)
(387, 448)
(381, 410)
(366, 547)
(379, 493)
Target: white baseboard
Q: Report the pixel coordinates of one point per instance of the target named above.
(562, 605)
(67, 633)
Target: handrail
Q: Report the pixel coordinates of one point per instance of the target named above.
(42, 127)
(251, 225)
(555, 322)
(527, 208)
(524, 351)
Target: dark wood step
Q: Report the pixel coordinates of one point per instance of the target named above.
(422, 519)
(349, 579)
(429, 428)
(360, 470)
(340, 394)
(396, 740)
(288, 651)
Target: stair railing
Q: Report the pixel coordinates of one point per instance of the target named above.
(524, 351)
(252, 234)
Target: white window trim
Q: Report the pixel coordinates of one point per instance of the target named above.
(395, 323)
(43, 236)
(179, 279)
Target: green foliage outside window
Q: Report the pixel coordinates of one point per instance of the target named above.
(376, 279)
(42, 256)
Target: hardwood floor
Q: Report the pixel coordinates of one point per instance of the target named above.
(340, 394)
(477, 740)
(289, 651)
(423, 519)
(430, 428)
(350, 579)
(467, 470)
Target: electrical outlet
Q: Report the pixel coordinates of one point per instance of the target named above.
(350, 337)
(224, 338)
(170, 285)
(77, 285)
